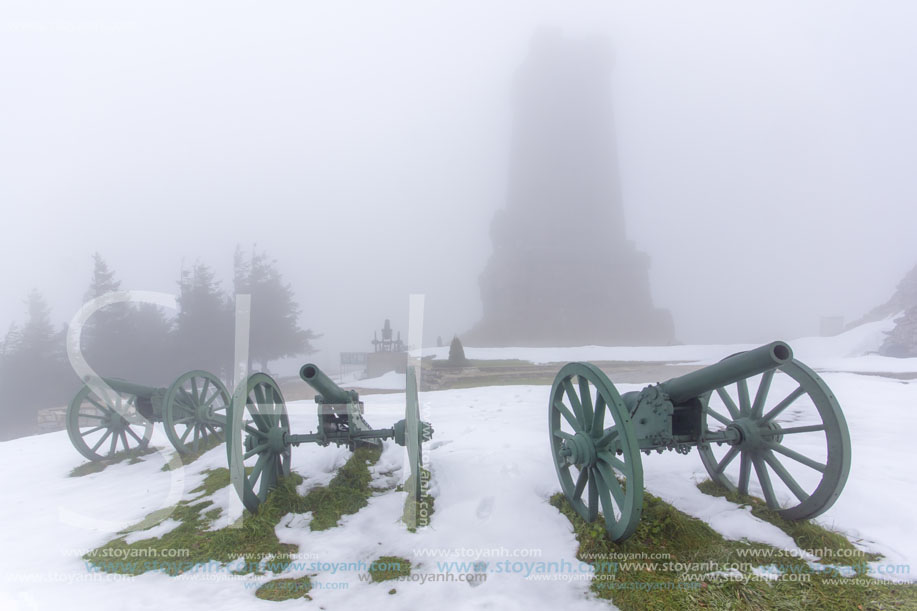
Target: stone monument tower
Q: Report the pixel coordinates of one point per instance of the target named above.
(563, 272)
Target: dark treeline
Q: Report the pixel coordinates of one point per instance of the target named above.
(144, 343)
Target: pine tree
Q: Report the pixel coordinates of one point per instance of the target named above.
(275, 330)
(106, 335)
(204, 325)
(33, 370)
(103, 279)
(153, 359)
(457, 353)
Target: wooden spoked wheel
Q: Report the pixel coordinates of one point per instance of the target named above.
(106, 423)
(594, 448)
(195, 411)
(257, 445)
(793, 447)
(416, 432)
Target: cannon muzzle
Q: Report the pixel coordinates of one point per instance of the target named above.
(728, 371)
(329, 392)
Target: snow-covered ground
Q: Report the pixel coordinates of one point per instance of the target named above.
(390, 380)
(492, 476)
(849, 351)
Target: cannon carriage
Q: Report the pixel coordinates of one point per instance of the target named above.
(764, 424)
(109, 415)
(260, 440)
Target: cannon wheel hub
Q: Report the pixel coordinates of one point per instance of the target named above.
(116, 421)
(794, 449)
(204, 413)
(749, 433)
(581, 450)
(277, 439)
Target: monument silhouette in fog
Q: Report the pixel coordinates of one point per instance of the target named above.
(563, 271)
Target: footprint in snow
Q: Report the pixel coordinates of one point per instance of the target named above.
(510, 470)
(485, 508)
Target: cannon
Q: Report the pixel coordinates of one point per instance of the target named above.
(259, 441)
(111, 415)
(764, 424)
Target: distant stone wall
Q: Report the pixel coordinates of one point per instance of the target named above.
(52, 419)
(378, 363)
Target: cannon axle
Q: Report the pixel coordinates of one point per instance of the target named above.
(110, 415)
(259, 432)
(763, 423)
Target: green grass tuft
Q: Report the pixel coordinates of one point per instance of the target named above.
(806, 534)
(285, 589)
(214, 479)
(180, 460)
(347, 493)
(255, 540)
(95, 466)
(633, 578)
(386, 568)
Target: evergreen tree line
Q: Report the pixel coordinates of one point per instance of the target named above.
(142, 342)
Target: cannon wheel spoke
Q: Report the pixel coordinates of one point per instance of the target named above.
(587, 415)
(761, 396)
(765, 480)
(612, 494)
(195, 411)
(97, 425)
(581, 480)
(263, 416)
(729, 403)
(820, 459)
(567, 414)
(575, 404)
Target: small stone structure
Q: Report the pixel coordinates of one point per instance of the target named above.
(389, 353)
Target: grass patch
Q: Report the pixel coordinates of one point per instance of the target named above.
(481, 382)
(386, 568)
(214, 479)
(806, 534)
(95, 466)
(285, 589)
(180, 460)
(701, 569)
(347, 493)
(482, 364)
(254, 540)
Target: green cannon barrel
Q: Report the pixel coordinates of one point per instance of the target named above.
(728, 371)
(130, 388)
(329, 391)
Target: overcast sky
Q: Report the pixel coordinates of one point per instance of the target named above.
(767, 152)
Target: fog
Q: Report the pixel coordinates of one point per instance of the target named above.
(766, 153)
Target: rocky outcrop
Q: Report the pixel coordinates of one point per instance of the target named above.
(902, 340)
